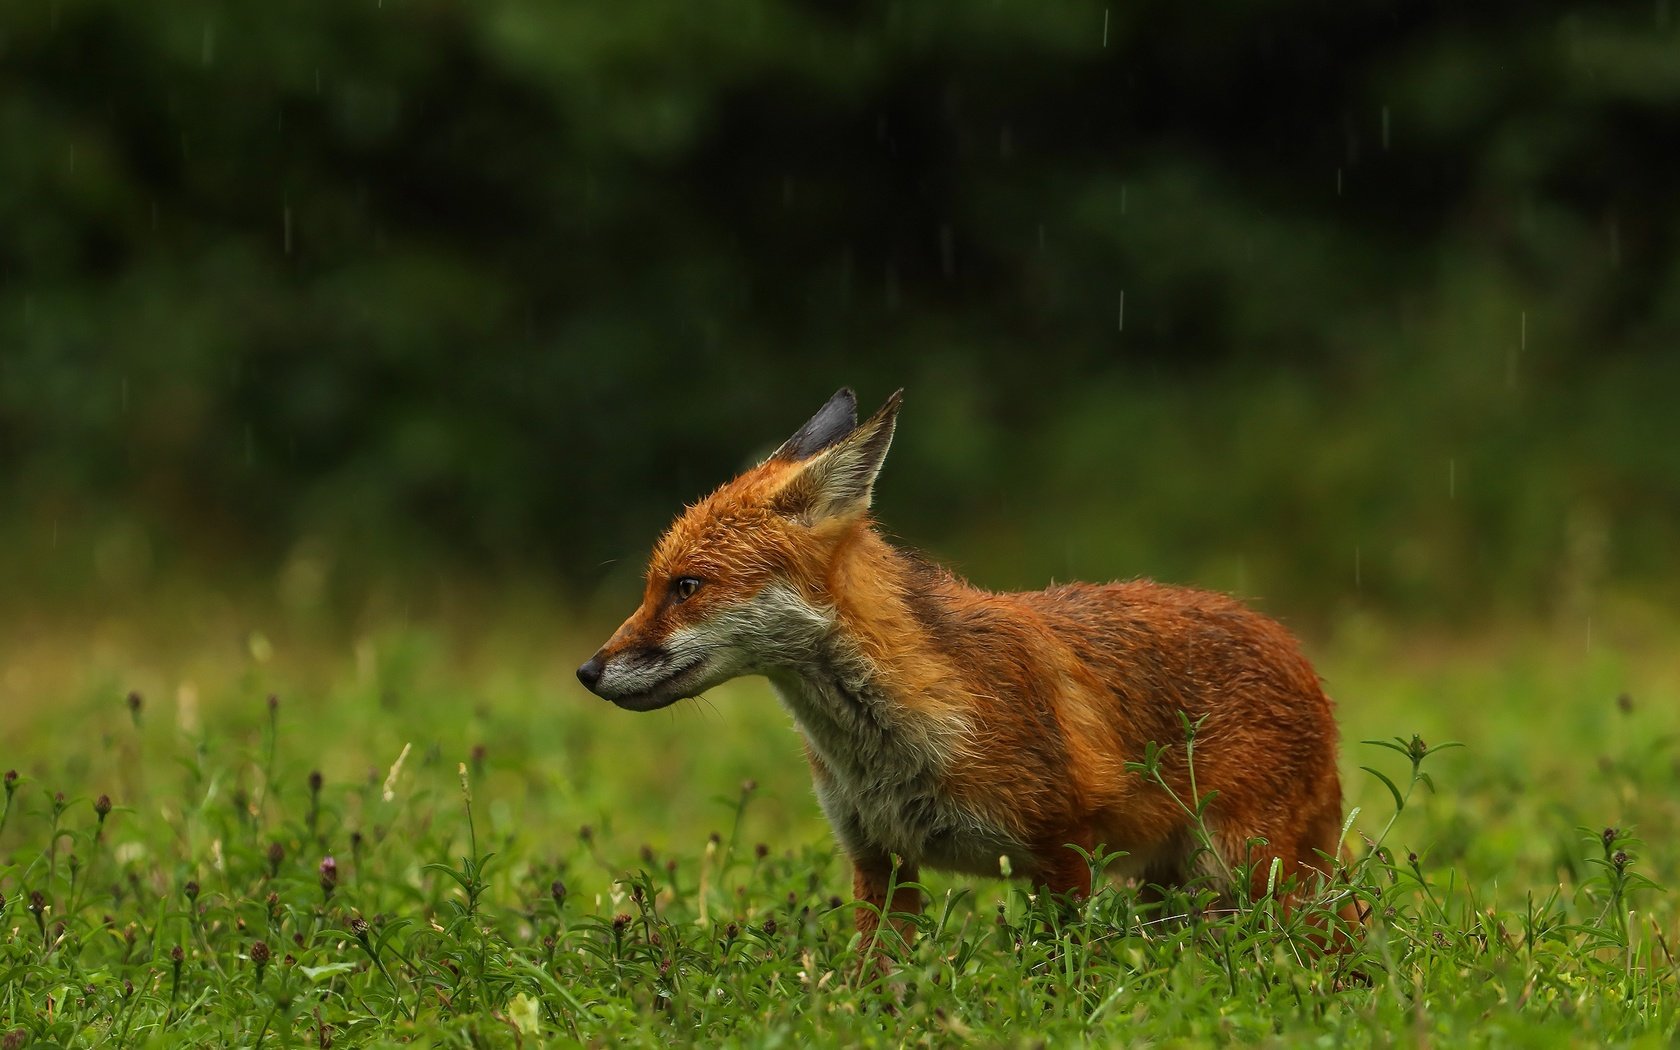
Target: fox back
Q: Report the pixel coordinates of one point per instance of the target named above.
(979, 732)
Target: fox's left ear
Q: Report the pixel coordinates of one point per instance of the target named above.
(839, 480)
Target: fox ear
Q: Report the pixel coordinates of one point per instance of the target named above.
(832, 422)
(839, 479)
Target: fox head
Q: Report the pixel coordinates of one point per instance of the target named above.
(738, 584)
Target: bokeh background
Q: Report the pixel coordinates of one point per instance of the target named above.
(1367, 311)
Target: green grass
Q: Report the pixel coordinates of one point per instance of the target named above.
(541, 867)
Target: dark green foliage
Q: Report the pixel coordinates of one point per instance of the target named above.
(1232, 295)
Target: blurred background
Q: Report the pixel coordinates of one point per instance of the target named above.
(1367, 311)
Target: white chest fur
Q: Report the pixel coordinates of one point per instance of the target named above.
(885, 767)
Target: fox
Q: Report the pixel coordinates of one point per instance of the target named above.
(984, 734)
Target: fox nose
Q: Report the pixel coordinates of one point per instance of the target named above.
(590, 673)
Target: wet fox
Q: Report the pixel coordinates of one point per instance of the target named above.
(950, 727)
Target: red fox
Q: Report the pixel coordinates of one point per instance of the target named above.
(950, 727)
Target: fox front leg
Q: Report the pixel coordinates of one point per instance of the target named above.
(872, 877)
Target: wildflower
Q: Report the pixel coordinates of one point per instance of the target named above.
(329, 876)
(276, 854)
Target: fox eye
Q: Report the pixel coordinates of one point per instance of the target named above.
(683, 587)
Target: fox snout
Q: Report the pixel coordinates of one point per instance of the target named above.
(640, 679)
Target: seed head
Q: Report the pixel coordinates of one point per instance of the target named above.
(731, 931)
(359, 927)
(620, 921)
(770, 927)
(260, 953)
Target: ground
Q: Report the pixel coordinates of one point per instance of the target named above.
(403, 829)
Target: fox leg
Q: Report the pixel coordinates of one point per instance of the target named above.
(1063, 872)
(872, 876)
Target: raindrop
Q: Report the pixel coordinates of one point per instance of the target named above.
(207, 45)
(1358, 582)
(286, 226)
(1385, 129)
(1120, 319)
(1452, 478)
(1122, 198)
(1338, 182)
(947, 251)
(1105, 27)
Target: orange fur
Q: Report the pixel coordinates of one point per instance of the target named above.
(944, 721)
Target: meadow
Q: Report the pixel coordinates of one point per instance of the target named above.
(231, 830)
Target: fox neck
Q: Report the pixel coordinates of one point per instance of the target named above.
(879, 759)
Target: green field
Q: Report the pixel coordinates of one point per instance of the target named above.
(515, 862)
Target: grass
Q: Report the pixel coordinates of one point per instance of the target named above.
(431, 834)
